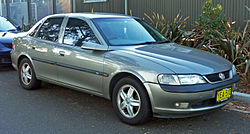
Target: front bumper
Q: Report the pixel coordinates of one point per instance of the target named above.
(163, 100)
(5, 59)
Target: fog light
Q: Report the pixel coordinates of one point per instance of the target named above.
(181, 104)
(177, 104)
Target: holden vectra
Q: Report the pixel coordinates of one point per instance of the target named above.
(125, 60)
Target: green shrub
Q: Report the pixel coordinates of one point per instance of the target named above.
(172, 30)
(26, 27)
(235, 48)
(212, 19)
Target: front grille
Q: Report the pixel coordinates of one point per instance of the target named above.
(204, 103)
(7, 45)
(215, 77)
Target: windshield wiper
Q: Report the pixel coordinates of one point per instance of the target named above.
(147, 42)
(153, 42)
(11, 30)
(165, 41)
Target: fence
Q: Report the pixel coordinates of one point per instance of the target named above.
(28, 11)
(235, 9)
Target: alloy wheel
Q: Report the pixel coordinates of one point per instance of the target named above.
(128, 101)
(26, 74)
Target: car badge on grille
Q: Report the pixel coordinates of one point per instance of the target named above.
(222, 76)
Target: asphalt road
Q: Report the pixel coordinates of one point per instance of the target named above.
(58, 110)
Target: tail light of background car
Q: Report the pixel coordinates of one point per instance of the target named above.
(13, 47)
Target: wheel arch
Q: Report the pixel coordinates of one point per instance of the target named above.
(22, 56)
(138, 77)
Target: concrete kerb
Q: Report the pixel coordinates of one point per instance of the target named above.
(242, 97)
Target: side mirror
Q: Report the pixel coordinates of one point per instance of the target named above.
(94, 46)
(18, 28)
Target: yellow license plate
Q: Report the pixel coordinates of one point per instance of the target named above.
(223, 94)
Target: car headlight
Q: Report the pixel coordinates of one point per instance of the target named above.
(180, 79)
(234, 71)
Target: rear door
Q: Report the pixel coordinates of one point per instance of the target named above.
(79, 67)
(42, 44)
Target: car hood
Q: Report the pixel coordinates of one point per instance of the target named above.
(183, 60)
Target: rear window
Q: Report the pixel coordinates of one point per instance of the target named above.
(50, 29)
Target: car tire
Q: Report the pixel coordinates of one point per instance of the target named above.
(131, 102)
(27, 76)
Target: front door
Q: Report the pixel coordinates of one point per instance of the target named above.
(79, 67)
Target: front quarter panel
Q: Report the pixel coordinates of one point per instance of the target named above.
(123, 61)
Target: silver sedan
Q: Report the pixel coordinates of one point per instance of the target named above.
(123, 59)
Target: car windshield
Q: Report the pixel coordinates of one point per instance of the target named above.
(122, 32)
(5, 25)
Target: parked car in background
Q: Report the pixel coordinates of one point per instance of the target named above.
(125, 60)
(7, 32)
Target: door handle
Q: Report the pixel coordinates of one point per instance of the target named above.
(33, 47)
(61, 53)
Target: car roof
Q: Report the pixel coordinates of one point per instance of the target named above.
(93, 15)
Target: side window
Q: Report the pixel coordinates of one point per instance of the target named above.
(77, 32)
(50, 29)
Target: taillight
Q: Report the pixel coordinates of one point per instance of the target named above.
(13, 44)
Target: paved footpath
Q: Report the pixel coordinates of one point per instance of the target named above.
(58, 110)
